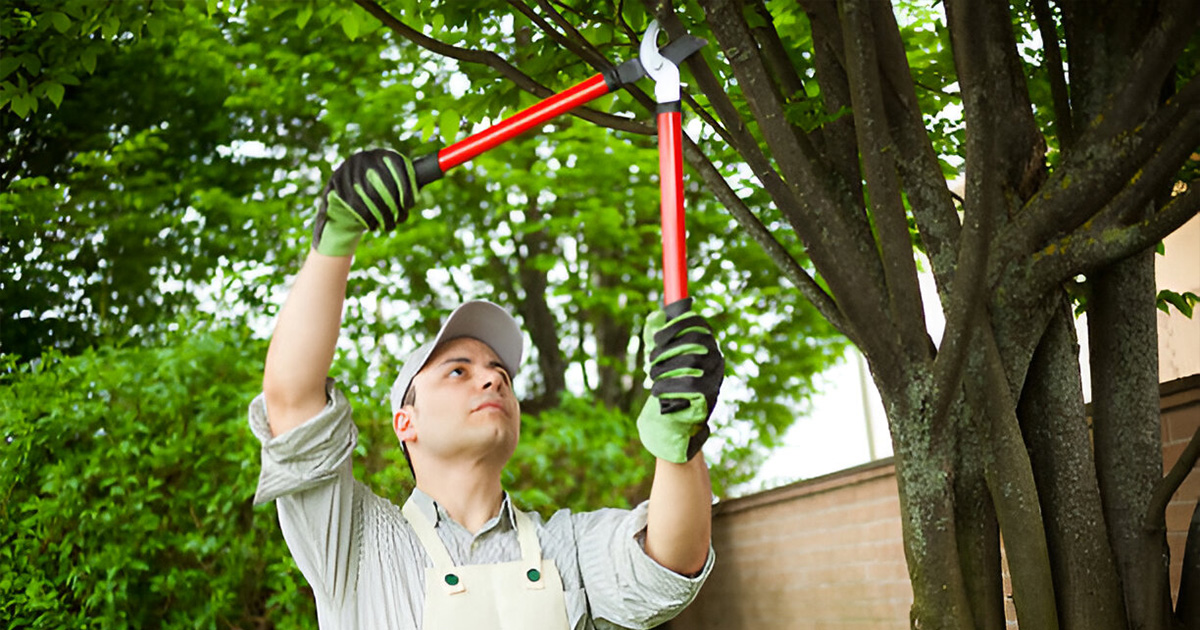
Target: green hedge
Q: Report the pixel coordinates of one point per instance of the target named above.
(126, 479)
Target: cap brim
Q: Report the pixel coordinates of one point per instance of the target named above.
(478, 319)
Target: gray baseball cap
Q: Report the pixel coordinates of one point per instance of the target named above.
(478, 319)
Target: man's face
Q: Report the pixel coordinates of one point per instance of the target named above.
(465, 406)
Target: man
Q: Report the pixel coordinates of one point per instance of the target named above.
(459, 554)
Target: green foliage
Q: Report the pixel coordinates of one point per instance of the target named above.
(126, 477)
(1183, 302)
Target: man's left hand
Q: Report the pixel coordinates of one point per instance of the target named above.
(687, 369)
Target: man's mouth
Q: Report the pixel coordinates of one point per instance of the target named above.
(491, 404)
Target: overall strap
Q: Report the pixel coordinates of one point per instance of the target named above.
(428, 536)
(531, 551)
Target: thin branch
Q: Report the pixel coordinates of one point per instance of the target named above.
(774, 249)
(1054, 71)
(1156, 510)
(736, 133)
(579, 45)
(574, 42)
(494, 61)
(840, 139)
(775, 54)
(879, 166)
(930, 199)
(843, 249)
(704, 115)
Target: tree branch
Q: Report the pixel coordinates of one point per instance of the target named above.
(1102, 243)
(1014, 490)
(1187, 610)
(1156, 510)
(773, 248)
(497, 63)
(704, 115)
(840, 247)
(930, 199)
(576, 44)
(829, 61)
(738, 136)
(1054, 72)
(879, 166)
(778, 63)
(1144, 160)
(1177, 22)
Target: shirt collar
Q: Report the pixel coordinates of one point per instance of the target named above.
(435, 512)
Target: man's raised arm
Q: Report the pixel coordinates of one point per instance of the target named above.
(687, 370)
(372, 190)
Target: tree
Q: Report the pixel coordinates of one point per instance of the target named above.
(850, 115)
(190, 155)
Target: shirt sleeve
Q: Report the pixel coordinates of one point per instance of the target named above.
(625, 587)
(308, 473)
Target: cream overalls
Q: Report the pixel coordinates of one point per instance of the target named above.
(522, 595)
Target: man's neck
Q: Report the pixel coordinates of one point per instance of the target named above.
(471, 498)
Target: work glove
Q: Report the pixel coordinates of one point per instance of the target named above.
(371, 190)
(686, 369)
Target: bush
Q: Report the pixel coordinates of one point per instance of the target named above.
(126, 480)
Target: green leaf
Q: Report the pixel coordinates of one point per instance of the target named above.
(155, 25)
(58, 20)
(88, 59)
(304, 15)
(23, 104)
(111, 28)
(8, 64)
(449, 124)
(1183, 302)
(55, 92)
(32, 63)
(350, 24)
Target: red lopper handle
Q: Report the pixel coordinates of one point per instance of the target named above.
(670, 175)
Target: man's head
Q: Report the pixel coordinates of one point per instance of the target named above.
(453, 399)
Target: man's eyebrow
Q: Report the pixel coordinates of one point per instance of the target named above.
(497, 364)
(468, 361)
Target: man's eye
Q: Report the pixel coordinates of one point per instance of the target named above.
(457, 372)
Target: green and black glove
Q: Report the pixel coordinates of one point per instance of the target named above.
(371, 190)
(687, 370)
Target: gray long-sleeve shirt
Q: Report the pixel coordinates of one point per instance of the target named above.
(367, 568)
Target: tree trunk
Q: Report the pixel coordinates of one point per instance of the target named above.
(1188, 610)
(924, 474)
(1053, 421)
(1122, 332)
(978, 531)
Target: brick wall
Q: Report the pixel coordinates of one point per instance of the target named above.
(1181, 418)
(826, 553)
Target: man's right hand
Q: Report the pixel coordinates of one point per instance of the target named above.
(371, 190)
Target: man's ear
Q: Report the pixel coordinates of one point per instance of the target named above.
(403, 426)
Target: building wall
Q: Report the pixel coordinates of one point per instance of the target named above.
(827, 554)
(1181, 420)
(1179, 270)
